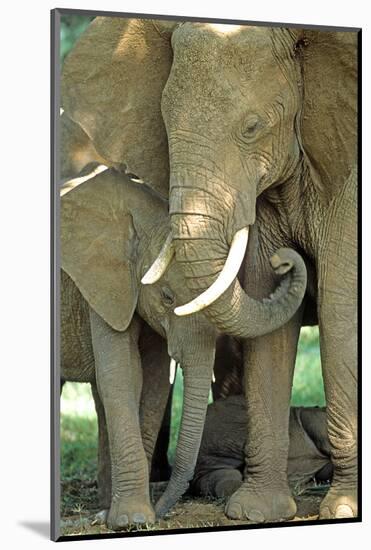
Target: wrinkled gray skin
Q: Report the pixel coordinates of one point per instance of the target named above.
(252, 126)
(111, 230)
(130, 363)
(77, 365)
(220, 462)
(233, 138)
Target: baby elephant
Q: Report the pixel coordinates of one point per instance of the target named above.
(221, 459)
(78, 365)
(114, 331)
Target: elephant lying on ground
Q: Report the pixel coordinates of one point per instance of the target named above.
(220, 463)
(111, 230)
(253, 127)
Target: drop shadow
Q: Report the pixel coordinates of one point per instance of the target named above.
(42, 528)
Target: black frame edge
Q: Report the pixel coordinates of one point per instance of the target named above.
(97, 13)
(54, 280)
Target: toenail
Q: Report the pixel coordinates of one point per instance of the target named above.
(234, 511)
(255, 515)
(122, 521)
(139, 518)
(100, 517)
(344, 511)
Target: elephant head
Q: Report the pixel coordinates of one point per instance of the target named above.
(215, 115)
(111, 231)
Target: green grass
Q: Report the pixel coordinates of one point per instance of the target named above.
(79, 432)
(308, 384)
(79, 437)
(79, 425)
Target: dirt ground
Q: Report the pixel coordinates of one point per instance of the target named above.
(80, 507)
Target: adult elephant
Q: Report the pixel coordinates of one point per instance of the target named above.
(114, 331)
(253, 127)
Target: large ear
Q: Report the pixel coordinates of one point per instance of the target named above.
(98, 244)
(329, 114)
(76, 149)
(112, 84)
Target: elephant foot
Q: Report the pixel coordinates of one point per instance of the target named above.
(338, 505)
(136, 510)
(223, 483)
(261, 505)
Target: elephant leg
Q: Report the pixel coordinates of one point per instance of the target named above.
(268, 372)
(339, 355)
(154, 401)
(269, 365)
(104, 459)
(119, 382)
(338, 337)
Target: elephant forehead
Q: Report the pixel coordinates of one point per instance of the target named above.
(226, 70)
(226, 44)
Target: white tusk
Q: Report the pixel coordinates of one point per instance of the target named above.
(225, 279)
(159, 266)
(172, 374)
(213, 378)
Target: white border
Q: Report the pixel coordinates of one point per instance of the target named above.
(24, 279)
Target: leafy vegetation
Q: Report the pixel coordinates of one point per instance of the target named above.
(308, 387)
(71, 28)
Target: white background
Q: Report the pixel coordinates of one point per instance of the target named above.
(24, 282)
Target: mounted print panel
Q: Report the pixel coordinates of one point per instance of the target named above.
(205, 200)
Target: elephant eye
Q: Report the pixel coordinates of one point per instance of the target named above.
(167, 296)
(252, 125)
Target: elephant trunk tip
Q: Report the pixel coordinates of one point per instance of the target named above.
(169, 498)
(284, 260)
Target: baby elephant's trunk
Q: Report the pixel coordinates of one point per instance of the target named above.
(197, 382)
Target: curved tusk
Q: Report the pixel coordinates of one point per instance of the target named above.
(161, 263)
(225, 279)
(173, 366)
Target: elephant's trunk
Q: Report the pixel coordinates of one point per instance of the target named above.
(239, 315)
(225, 278)
(204, 224)
(197, 383)
(199, 228)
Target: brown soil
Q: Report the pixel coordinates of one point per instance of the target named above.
(190, 512)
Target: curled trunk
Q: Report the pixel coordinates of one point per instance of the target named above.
(239, 315)
(202, 236)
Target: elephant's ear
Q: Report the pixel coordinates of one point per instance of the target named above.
(76, 149)
(98, 243)
(329, 115)
(112, 84)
